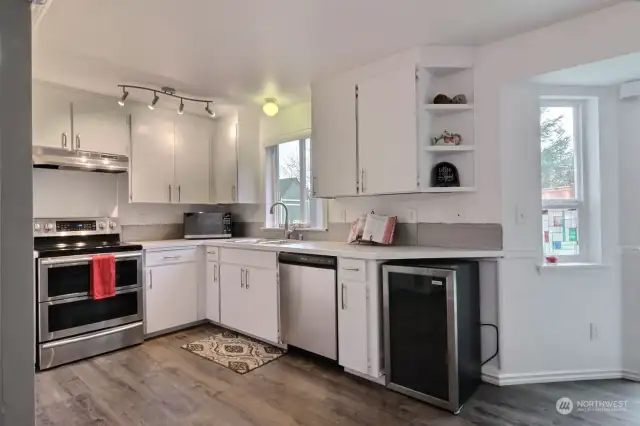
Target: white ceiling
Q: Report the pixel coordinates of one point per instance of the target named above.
(604, 73)
(245, 50)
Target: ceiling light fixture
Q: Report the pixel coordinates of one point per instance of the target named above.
(270, 107)
(208, 109)
(165, 91)
(123, 97)
(155, 100)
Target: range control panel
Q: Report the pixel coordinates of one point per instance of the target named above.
(69, 225)
(63, 227)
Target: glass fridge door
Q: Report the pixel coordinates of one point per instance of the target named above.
(416, 322)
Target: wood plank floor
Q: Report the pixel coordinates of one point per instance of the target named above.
(158, 383)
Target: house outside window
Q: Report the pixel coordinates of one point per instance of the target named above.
(564, 216)
(288, 180)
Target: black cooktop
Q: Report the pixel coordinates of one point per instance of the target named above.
(81, 245)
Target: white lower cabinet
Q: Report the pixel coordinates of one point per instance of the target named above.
(171, 296)
(249, 293)
(353, 326)
(212, 292)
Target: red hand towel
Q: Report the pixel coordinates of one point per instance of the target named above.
(103, 276)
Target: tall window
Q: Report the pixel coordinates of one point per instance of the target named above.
(289, 182)
(563, 213)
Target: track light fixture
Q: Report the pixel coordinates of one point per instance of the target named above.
(208, 109)
(166, 91)
(123, 97)
(155, 100)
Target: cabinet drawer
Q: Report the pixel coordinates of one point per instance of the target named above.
(168, 257)
(212, 253)
(259, 259)
(352, 269)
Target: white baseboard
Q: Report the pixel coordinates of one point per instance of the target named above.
(631, 375)
(494, 377)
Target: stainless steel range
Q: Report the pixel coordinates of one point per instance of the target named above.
(71, 325)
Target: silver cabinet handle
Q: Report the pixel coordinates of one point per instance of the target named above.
(78, 141)
(314, 186)
(351, 269)
(233, 192)
(246, 279)
(343, 294)
(172, 257)
(242, 278)
(215, 273)
(150, 279)
(169, 193)
(64, 140)
(179, 192)
(362, 180)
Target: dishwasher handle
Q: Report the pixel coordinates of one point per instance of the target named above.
(313, 261)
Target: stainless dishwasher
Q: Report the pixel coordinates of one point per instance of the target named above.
(308, 299)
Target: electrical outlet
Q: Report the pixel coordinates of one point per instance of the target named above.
(412, 216)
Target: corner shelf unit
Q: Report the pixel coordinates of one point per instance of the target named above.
(455, 118)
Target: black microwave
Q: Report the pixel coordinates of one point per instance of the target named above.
(207, 225)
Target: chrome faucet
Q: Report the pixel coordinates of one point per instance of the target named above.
(272, 210)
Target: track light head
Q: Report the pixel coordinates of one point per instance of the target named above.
(181, 107)
(155, 100)
(209, 111)
(123, 97)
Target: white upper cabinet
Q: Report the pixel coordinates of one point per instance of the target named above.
(249, 160)
(78, 120)
(334, 138)
(224, 163)
(151, 170)
(192, 142)
(100, 125)
(51, 121)
(388, 133)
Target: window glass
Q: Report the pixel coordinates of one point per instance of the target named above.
(557, 144)
(560, 232)
(288, 189)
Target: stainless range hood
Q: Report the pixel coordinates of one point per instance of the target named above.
(64, 159)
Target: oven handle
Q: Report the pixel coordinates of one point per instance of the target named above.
(92, 335)
(75, 261)
(137, 288)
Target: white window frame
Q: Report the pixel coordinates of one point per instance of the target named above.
(579, 203)
(272, 167)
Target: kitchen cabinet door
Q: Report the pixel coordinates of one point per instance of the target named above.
(100, 125)
(171, 296)
(388, 133)
(261, 286)
(51, 117)
(250, 153)
(213, 291)
(234, 309)
(353, 326)
(151, 167)
(333, 141)
(224, 163)
(192, 142)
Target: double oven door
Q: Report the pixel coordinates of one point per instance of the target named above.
(65, 305)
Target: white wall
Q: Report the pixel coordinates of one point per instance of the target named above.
(629, 121)
(62, 193)
(545, 319)
(546, 316)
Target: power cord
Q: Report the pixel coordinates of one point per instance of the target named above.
(497, 342)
